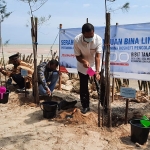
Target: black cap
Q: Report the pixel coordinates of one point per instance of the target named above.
(15, 56)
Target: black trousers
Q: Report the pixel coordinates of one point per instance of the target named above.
(84, 91)
(19, 80)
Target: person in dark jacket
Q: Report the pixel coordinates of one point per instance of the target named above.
(47, 73)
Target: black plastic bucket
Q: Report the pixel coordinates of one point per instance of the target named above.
(49, 109)
(139, 133)
(5, 97)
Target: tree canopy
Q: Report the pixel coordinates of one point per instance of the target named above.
(110, 9)
(3, 10)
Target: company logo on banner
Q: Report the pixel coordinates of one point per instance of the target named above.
(129, 46)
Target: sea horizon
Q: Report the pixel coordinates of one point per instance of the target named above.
(27, 49)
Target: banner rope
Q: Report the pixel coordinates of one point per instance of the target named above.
(50, 51)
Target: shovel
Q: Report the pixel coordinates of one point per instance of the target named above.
(71, 116)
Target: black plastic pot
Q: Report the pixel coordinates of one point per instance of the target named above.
(5, 97)
(139, 133)
(49, 109)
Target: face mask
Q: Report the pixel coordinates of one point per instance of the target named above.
(88, 39)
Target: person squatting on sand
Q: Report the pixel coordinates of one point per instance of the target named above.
(87, 48)
(47, 77)
(15, 74)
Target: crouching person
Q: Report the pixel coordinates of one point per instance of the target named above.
(47, 73)
(15, 73)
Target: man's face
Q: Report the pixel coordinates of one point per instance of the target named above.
(14, 61)
(88, 34)
(11, 61)
(51, 67)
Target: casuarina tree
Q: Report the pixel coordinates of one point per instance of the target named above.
(3, 10)
(108, 10)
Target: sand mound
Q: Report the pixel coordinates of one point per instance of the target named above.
(89, 118)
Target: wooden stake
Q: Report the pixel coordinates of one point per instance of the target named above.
(60, 76)
(34, 43)
(25, 86)
(107, 67)
(41, 58)
(23, 57)
(113, 82)
(113, 88)
(126, 112)
(30, 57)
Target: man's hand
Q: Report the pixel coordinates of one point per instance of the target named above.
(86, 64)
(59, 73)
(98, 76)
(48, 91)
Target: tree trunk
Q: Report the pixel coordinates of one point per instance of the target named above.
(34, 43)
(107, 67)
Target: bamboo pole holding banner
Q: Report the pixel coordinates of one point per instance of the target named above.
(60, 76)
(107, 67)
(113, 80)
(34, 44)
(36, 22)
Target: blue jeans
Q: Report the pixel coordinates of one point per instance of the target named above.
(51, 86)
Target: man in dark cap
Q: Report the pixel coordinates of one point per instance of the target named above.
(15, 74)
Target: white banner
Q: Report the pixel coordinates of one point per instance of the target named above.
(129, 46)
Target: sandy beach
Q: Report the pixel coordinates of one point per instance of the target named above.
(23, 126)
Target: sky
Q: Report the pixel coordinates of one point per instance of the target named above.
(69, 13)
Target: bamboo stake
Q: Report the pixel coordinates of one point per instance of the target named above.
(148, 86)
(30, 57)
(41, 58)
(140, 85)
(34, 41)
(27, 59)
(23, 57)
(31, 61)
(1, 61)
(126, 112)
(19, 56)
(60, 76)
(107, 68)
(113, 88)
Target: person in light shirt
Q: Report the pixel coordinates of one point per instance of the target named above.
(87, 49)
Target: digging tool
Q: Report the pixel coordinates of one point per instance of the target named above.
(99, 86)
(71, 116)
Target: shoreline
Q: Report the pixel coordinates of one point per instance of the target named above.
(27, 49)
